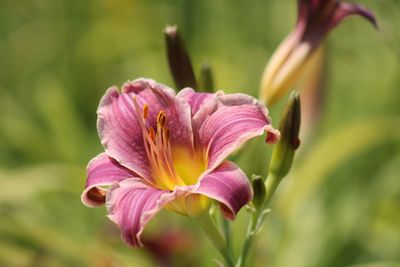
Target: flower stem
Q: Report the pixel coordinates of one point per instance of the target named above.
(251, 231)
(226, 227)
(257, 219)
(216, 238)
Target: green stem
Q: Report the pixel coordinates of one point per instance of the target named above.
(251, 231)
(271, 184)
(226, 228)
(216, 238)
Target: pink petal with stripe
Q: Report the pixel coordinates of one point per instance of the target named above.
(229, 185)
(119, 128)
(237, 119)
(102, 171)
(132, 203)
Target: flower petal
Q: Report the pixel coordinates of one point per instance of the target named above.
(119, 128)
(201, 105)
(132, 204)
(345, 9)
(237, 119)
(162, 98)
(195, 100)
(102, 171)
(120, 131)
(228, 185)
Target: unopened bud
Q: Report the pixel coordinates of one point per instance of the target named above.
(283, 69)
(259, 192)
(179, 60)
(283, 153)
(206, 79)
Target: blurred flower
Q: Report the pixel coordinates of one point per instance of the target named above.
(313, 93)
(167, 150)
(172, 247)
(316, 18)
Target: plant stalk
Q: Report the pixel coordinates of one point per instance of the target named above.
(216, 238)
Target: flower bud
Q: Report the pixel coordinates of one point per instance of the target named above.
(259, 192)
(316, 18)
(179, 60)
(283, 153)
(206, 79)
(313, 93)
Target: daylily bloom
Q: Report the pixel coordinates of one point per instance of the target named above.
(316, 18)
(169, 151)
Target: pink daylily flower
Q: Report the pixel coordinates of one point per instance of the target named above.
(164, 150)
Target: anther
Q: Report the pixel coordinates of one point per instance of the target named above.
(161, 118)
(152, 134)
(167, 134)
(145, 111)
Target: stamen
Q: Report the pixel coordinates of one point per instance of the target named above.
(161, 118)
(166, 133)
(142, 126)
(145, 111)
(158, 148)
(152, 134)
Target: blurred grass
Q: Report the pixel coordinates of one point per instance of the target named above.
(339, 207)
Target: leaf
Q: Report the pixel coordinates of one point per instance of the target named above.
(333, 150)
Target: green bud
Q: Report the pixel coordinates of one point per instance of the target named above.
(283, 153)
(259, 192)
(206, 79)
(179, 60)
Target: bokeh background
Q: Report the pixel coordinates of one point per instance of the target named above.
(340, 206)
